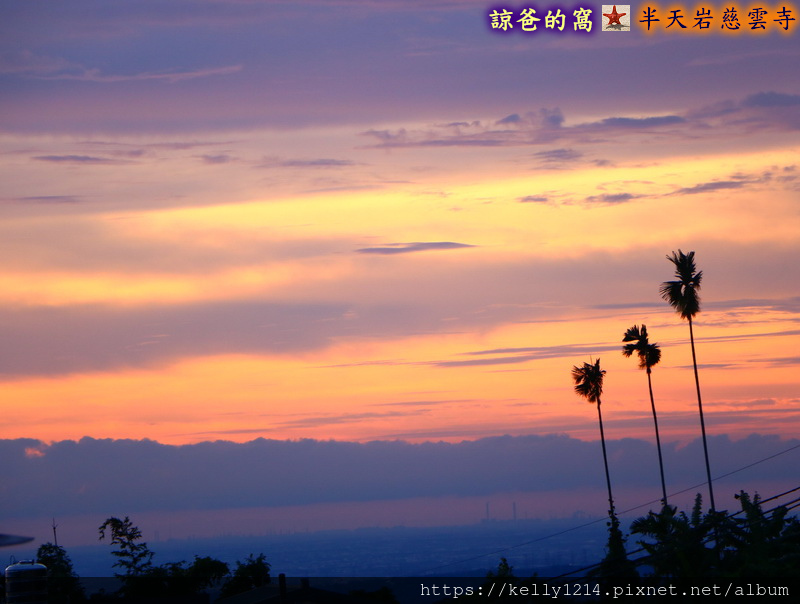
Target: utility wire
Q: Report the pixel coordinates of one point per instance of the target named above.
(639, 561)
(648, 503)
(780, 494)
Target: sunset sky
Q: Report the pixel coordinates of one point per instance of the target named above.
(380, 220)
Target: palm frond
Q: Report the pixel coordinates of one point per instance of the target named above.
(672, 292)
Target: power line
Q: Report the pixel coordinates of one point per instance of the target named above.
(648, 503)
(643, 559)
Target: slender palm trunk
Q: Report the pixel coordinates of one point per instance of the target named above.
(611, 513)
(702, 421)
(658, 439)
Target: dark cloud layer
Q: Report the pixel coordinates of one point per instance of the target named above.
(112, 476)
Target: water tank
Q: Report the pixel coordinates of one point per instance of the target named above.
(26, 583)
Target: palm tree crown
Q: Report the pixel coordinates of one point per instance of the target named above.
(589, 381)
(682, 294)
(649, 354)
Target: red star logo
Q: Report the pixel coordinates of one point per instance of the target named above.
(614, 16)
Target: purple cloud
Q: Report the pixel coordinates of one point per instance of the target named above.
(771, 99)
(514, 118)
(612, 198)
(77, 159)
(709, 186)
(48, 199)
(221, 158)
(558, 155)
(94, 476)
(407, 248)
(643, 122)
(94, 75)
(316, 163)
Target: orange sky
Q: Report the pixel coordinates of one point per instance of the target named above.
(415, 242)
(398, 361)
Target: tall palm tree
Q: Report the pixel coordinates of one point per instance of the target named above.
(649, 355)
(683, 297)
(589, 384)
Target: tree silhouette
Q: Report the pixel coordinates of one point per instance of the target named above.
(750, 543)
(63, 583)
(763, 544)
(589, 384)
(133, 555)
(649, 355)
(252, 573)
(678, 547)
(683, 297)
